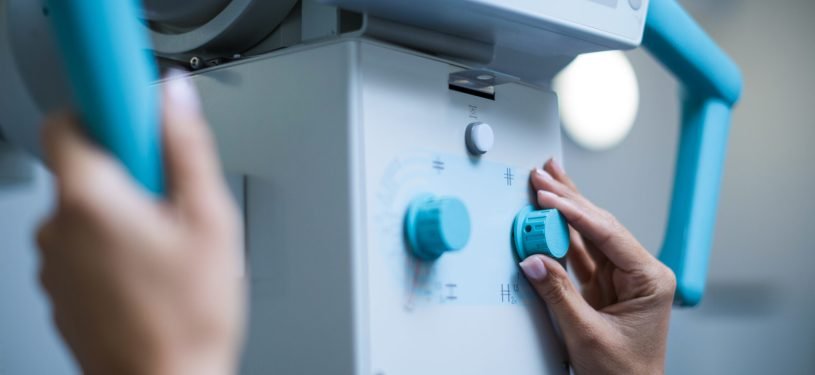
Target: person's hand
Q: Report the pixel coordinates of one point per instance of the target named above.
(619, 325)
(138, 284)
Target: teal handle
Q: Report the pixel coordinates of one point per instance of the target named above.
(713, 85)
(112, 71)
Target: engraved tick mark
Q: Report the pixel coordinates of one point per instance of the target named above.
(509, 176)
(438, 165)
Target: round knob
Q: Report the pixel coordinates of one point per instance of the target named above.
(479, 138)
(434, 226)
(540, 232)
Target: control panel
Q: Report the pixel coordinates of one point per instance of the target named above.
(382, 207)
(447, 182)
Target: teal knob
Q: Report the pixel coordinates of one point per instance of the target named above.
(434, 226)
(540, 232)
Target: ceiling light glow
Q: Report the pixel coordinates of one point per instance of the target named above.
(599, 99)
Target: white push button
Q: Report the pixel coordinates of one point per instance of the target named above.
(635, 4)
(480, 138)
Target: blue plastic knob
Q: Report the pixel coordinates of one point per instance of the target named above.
(434, 226)
(540, 232)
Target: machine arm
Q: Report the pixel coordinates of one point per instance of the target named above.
(712, 86)
(112, 72)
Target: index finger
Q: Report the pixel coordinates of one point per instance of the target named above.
(193, 168)
(599, 227)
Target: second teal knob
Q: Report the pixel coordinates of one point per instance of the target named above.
(436, 225)
(540, 232)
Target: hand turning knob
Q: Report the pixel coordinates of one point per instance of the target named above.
(540, 232)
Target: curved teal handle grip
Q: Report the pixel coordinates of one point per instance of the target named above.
(112, 71)
(713, 85)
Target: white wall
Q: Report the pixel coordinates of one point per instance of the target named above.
(28, 343)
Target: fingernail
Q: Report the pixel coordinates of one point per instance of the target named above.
(543, 174)
(182, 93)
(534, 268)
(556, 165)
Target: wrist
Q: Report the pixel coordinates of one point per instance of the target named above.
(195, 367)
(200, 364)
(169, 364)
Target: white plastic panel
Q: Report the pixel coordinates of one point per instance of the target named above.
(523, 25)
(331, 161)
(470, 312)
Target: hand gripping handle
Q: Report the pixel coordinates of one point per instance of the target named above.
(112, 71)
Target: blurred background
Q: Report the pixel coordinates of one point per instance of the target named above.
(757, 316)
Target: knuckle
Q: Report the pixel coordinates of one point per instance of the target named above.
(578, 218)
(610, 220)
(663, 280)
(568, 182)
(668, 281)
(556, 291)
(611, 229)
(539, 182)
(569, 193)
(554, 294)
(606, 236)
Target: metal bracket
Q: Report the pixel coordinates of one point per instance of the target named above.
(479, 81)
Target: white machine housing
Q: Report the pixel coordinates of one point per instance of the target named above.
(331, 129)
(528, 39)
(332, 154)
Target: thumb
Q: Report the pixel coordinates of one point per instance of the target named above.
(191, 156)
(549, 279)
